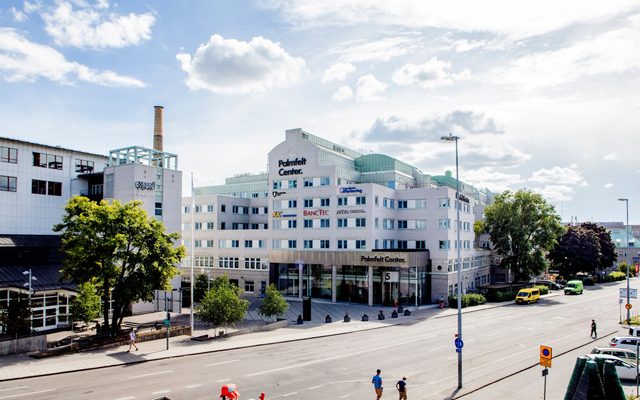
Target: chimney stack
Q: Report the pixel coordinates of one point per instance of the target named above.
(157, 128)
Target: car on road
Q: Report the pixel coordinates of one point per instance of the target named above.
(624, 342)
(624, 369)
(528, 295)
(574, 287)
(623, 354)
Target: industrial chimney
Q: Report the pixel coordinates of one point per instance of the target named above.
(157, 128)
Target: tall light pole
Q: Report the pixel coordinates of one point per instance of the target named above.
(30, 278)
(452, 138)
(626, 202)
(191, 249)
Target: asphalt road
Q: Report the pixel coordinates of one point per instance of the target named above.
(499, 342)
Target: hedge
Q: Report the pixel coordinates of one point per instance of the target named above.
(615, 276)
(544, 289)
(468, 300)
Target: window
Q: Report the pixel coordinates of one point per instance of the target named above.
(342, 222)
(198, 243)
(388, 223)
(223, 226)
(324, 223)
(421, 244)
(8, 183)
(292, 224)
(324, 181)
(248, 244)
(235, 243)
(402, 224)
(308, 244)
(342, 201)
(444, 202)
(209, 243)
(261, 244)
(39, 160)
(292, 244)
(292, 184)
(376, 201)
(210, 208)
(84, 166)
(293, 203)
(308, 223)
(443, 244)
(421, 224)
(342, 244)
(361, 222)
(248, 286)
(361, 244)
(324, 202)
(223, 208)
(361, 200)
(324, 244)
(308, 203)
(402, 244)
(211, 226)
(275, 243)
(308, 182)
(402, 204)
(377, 222)
(421, 203)
(38, 187)
(198, 226)
(185, 209)
(158, 208)
(54, 162)
(443, 223)
(234, 209)
(277, 184)
(8, 155)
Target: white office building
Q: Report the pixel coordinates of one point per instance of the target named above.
(328, 222)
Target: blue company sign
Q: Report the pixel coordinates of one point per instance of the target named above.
(459, 343)
(350, 189)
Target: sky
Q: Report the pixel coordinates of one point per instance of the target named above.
(544, 95)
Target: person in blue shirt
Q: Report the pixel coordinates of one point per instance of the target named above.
(402, 388)
(377, 384)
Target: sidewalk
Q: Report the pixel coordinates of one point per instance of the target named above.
(22, 366)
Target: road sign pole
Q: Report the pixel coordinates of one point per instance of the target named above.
(545, 372)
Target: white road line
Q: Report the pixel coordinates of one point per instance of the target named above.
(27, 394)
(126, 398)
(193, 386)
(222, 380)
(161, 392)
(289, 394)
(14, 388)
(346, 395)
(221, 362)
(315, 387)
(151, 374)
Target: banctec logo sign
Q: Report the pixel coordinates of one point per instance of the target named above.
(350, 189)
(315, 213)
(284, 164)
(385, 259)
(145, 185)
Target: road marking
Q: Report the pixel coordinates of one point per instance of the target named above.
(193, 386)
(289, 394)
(15, 388)
(161, 392)
(346, 395)
(221, 362)
(27, 394)
(315, 387)
(126, 398)
(222, 380)
(151, 374)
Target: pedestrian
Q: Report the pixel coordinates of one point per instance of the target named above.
(402, 388)
(594, 334)
(132, 340)
(377, 384)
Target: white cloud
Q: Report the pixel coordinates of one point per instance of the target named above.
(91, 27)
(611, 52)
(555, 193)
(610, 157)
(30, 7)
(233, 66)
(342, 94)
(338, 72)
(380, 50)
(515, 20)
(22, 60)
(608, 185)
(368, 88)
(430, 75)
(559, 176)
(492, 179)
(18, 15)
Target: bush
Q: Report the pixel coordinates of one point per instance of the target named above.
(615, 276)
(468, 300)
(502, 295)
(544, 289)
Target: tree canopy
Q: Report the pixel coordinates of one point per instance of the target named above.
(583, 248)
(201, 287)
(16, 318)
(85, 306)
(523, 228)
(274, 304)
(119, 249)
(222, 304)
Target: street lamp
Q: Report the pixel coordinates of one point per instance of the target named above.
(30, 278)
(626, 201)
(191, 250)
(452, 138)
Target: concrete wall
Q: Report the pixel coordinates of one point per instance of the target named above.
(23, 345)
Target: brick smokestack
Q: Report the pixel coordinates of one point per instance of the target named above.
(157, 128)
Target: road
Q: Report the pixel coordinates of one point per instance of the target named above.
(499, 342)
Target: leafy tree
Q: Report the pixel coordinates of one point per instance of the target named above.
(523, 228)
(608, 253)
(16, 318)
(222, 304)
(119, 249)
(85, 306)
(201, 287)
(622, 267)
(274, 304)
(583, 248)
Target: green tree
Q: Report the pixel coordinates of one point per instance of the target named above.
(274, 304)
(119, 249)
(16, 318)
(583, 248)
(608, 253)
(523, 228)
(201, 287)
(85, 306)
(222, 304)
(622, 267)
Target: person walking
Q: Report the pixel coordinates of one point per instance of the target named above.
(377, 384)
(402, 388)
(132, 340)
(594, 334)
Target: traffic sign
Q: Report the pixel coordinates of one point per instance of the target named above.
(459, 343)
(633, 293)
(545, 356)
(628, 306)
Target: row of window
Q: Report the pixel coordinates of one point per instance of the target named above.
(10, 184)
(387, 244)
(230, 262)
(242, 210)
(446, 244)
(44, 160)
(306, 182)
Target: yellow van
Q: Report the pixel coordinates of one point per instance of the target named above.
(529, 295)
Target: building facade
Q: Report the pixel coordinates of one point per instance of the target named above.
(328, 222)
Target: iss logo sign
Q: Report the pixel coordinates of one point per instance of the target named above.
(145, 185)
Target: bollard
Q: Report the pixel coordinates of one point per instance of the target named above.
(299, 321)
(380, 315)
(347, 318)
(327, 319)
(400, 310)
(407, 313)
(394, 314)
(365, 317)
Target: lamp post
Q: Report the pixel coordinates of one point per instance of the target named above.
(191, 250)
(30, 278)
(626, 202)
(454, 139)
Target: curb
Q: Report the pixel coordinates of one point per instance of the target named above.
(502, 304)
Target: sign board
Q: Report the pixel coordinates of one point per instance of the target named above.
(545, 356)
(633, 293)
(628, 306)
(391, 276)
(458, 343)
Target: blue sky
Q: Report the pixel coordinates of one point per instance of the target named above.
(544, 95)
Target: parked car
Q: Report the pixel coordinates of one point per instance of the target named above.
(528, 295)
(624, 369)
(623, 354)
(574, 287)
(624, 342)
